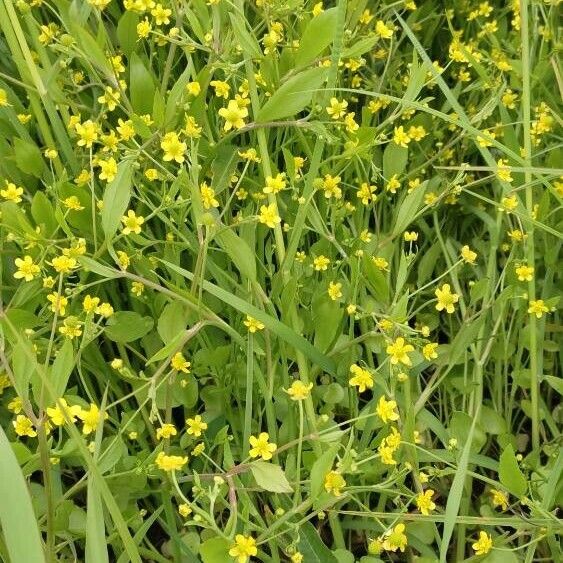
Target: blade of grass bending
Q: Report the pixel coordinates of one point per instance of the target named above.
(456, 492)
(277, 327)
(17, 518)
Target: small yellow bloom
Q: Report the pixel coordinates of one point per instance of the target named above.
(166, 431)
(253, 324)
(244, 548)
(23, 426)
(468, 255)
(132, 223)
(362, 378)
(12, 192)
(208, 196)
(383, 30)
(446, 299)
(26, 269)
(269, 215)
(400, 137)
(193, 88)
(499, 499)
(298, 391)
(57, 413)
(335, 290)
(395, 539)
(337, 109)
(399, 351)
(170, 462)
(537, 308)
(63, 264)
(334, 483)
(385, 410)
(196, 426)
(173, 148)
(233, 115)
(483, 545)
(261, 446)
(179, 363)
(91, 418)
(429, 351)
(58, 303)
(525, 272)
(320, 263)
(425, 503)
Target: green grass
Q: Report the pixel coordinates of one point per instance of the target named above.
(386, 310)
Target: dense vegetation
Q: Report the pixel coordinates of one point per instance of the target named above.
(280, 281)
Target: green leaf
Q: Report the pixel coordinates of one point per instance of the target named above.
(270, 477)
(97, 268)
(239, 252)
(142, 86)
(23, 369)
(127, 32)
(96, 545)
(312, 547)
(320, 468)
(172, 322)
(28, 157)
(455, 494)
(327, 316)
(116, 198)
(293, 95)
(407, 210)
(318, 35)
(395, 160)
(215, 550)
(555, 382)
(62, 368)
(42, 212)
(510, 475)
(17, 518)
(246, 40)
(126, 326)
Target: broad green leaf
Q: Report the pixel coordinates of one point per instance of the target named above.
(292, 96)
(28, 157)
(407, 210)
(126, 326)
(463, 339)
(62, 368)
(17, 518)
(127, 32)
(320, 468)
(93, 266)
(510, 475)
(312, 546)
(246, 40)
(395, 160)
(318, 35)
(327, 316)
(239, 252)
(43, 214)
(142, 86)
(23, 369)
(358, 48)
(555, 382)
(270, 477)
(215, 550)
(116, 198)
(172, 321)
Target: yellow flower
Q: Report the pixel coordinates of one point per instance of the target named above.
(73, 203)
(365, 193)
(468, 255)
(63, 264)
(144, 28)
(57, 413)
(161, 14)
(425, 503)
(335, 290)
(395, 539)
(192, 129)
(384, 30)
(337, 109)
(233, 115)
(393, 184)
(525, 272)
(274, 184)
(88, 133)
(269, 216)
(537, 308)
(23, 426)
(208, 196)
(243, 548)
(26, 269)
(362, 378)
(253, 324)
(179, 363)
(12, 193)
(166, 431)
(91, 418)
(331, 187)
(261, 447)
(499, 499)
(410, 236)
(173, 148)
(446, 299)
(108, 169)
(400, 137)
(503, 171)
(184, 510)
(132, 223)
(483, 545)
(170, 462)
(386, 410)
(298, 391)
(334, 483)
(508, 204)
(399, 351)
(3, 98)
(222, 89)
(71, 328)
(429, 351)
(58, 303)
(105, 310)
(193, 88)
(320, 263)
(196, 426)
(317, 9)
(417, 133)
